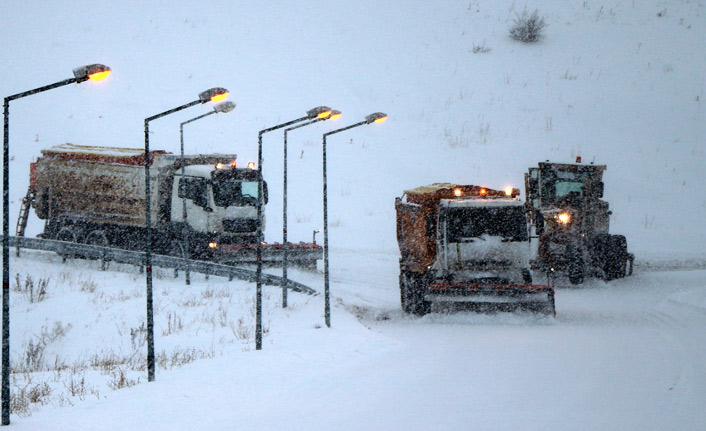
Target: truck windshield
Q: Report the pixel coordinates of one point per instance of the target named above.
(563, 188)
(232, 192)
(557, 184)
(506, 222)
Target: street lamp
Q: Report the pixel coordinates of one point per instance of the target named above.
(377, 117)
(221, 107)
(318, 112)
(213, 95)
(333, 115)
(94, 72)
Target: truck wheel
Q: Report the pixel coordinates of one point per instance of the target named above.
(176, 249)
(600, 254)
(576, 270)
(412, 294)
(66, 234)
(405, 294)
(97, 237)
(617, 257)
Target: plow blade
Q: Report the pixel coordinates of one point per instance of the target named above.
(533, 297)
(300, 254)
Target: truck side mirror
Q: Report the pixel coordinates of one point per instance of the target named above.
(532, 186)
(599, 189)
(532, 182)
(539, 223)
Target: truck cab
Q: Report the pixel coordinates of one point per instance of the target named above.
(572, 221)
(217, 204)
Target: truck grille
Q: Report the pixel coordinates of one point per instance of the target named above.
(240, 226)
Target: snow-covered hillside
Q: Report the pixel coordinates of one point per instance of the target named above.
(620, 83)
(616, 82)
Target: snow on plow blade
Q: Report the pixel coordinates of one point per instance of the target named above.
(532, 297)
(301, 254)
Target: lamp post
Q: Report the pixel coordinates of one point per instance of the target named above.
(94, 72)
(334, 115)
(221, 107)
(214, 95)
(318, 112)
(377, 117)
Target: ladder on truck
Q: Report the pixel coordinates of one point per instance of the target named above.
(24, 212)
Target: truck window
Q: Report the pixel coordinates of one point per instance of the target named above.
(563, 188)
(506, 222)
(195, 189)
(558, 184)
(232, 192)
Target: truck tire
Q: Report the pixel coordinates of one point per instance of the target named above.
(176, 249)
(98, 238)
(412, 294)
(67, 234)
(599, 252)
(617, 257)
(405, 294)
(575, 271)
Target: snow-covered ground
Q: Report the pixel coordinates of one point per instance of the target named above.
(616, 82)
(629, 354)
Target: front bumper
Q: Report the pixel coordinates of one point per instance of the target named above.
(529, 295)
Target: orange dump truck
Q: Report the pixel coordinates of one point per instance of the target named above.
(466, 243)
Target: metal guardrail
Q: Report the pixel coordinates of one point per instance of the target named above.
(109, 254)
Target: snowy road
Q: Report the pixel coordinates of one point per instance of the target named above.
(627, 355)
(630, 354)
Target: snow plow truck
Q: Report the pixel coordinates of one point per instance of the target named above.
(204, 208)
(469, 244)
(572, 223)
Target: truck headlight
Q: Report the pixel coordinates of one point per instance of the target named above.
(212, 244)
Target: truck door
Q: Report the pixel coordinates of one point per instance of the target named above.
(196, 192)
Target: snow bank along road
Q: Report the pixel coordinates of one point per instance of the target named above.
(626, 355)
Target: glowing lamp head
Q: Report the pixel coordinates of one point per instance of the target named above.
(251, 165)
(483, 191)
(377, 117)
(98, 76)
(233, 164)
(212, 244)
(318, 112)
(564, 218)
(335, 115)
(94, 72)
(219, 166)
(215, 94)
(458, 192)
(219, 97)
(508, 191)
